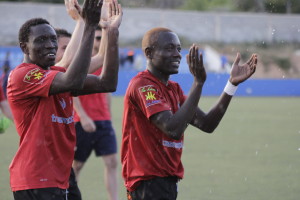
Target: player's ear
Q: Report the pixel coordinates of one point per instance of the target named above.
(23, 46)
(149, 52)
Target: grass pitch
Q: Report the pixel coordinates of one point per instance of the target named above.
(253, 154)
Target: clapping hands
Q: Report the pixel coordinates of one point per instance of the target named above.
(111, 14)
(241, 72)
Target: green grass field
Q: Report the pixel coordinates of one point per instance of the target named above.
(253, 154)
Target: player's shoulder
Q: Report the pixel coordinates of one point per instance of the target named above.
(142, 79)
(24, 69)
(173, 84)
(29, 73)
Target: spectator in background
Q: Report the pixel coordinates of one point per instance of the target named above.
(6, 117)
(5, 72)
(130, 56)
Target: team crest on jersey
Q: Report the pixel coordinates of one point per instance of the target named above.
(149, 93)
(35, 76)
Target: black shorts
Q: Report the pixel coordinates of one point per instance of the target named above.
(73, 191)
(103, 141)
(40, 194)
(159, 188)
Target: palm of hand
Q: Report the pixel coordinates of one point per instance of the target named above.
(111, 14)
(240, 73)
(195, 62)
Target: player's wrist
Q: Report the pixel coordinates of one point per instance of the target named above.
(230, 89)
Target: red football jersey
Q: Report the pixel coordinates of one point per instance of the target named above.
(95, 105)
(146, 151)
(46, 128)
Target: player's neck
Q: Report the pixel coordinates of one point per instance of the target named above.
(159, 75)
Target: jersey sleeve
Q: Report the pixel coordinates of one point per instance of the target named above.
(148, 98)
(31, 81)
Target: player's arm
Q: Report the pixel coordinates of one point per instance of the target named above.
(209, 121)
(109, 99)
(6, 109)
(107, 19)
(108, 79)
(76, 73)
(87, 123)
(174, 125)
(74, 10)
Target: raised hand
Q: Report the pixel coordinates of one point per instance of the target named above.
(240, 73)
(91, 11)
(73, 9)
(111, 14)
(195, 62)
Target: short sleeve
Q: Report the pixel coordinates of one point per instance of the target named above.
(30, 81)
(148, 97)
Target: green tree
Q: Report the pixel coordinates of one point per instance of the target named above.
(207, 5)
(271, 6)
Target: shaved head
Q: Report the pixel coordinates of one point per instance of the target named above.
(151, 37)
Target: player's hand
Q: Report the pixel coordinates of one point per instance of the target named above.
(240, 73)
(88, 124)
(91, 11)
(111, 14)
(73, 9)
(195, 62)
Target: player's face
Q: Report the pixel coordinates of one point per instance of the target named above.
(42, 45)
(166, 55)
(62, 45)
(97, 40)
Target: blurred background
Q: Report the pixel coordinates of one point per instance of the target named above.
(254, 153)
(270, 28)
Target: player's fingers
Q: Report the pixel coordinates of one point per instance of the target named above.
(237, 59)
(201, 60)
(116, 7)
(110, 10)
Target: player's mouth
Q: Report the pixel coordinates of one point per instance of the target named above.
(176, 63)
(51, 56)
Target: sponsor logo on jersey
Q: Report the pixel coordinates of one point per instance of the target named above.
(149, 94)
(176, 145)
(35, 76)
(147, 88)
(62, 120)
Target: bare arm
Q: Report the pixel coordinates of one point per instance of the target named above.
(73, 10)
(76, 73)
(174, 125)
(209, 121)
(87, 123)
(108, 99)
(109, 18)
(108, 79)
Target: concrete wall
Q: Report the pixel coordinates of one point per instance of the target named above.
(194, 26)
(215, 84)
